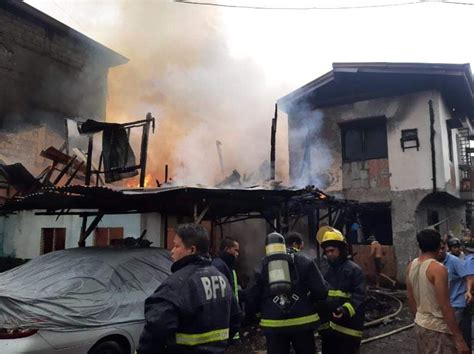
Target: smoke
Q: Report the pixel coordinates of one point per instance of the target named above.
(180, 69)
(310, 155)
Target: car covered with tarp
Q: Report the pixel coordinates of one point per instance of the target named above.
(80, 300)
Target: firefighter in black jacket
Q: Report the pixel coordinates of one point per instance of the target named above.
(193, 311)
(289, 319)
(342, 313)
(228, 253)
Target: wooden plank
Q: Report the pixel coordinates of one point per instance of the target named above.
(55, 155)
(64, 170)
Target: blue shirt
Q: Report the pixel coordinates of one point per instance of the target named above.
(456, 278)
(469, 263)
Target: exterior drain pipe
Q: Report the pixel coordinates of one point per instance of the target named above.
(432, 142)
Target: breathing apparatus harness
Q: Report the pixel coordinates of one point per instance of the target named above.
(278, 262)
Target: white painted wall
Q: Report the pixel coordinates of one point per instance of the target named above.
(152, 223)
(409, 170)
(22, 232)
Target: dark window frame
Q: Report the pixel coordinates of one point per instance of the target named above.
(365, 127)
(52, 239)
(111, 233)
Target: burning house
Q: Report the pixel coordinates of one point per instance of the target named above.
(393, 136)
(48, 72)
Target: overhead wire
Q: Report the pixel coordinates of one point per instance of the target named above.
(346, 7)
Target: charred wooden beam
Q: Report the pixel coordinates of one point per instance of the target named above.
(273, 143)
(85, 233)
(64, 170)
(144, 147)
(89, 160)
(57, 156)
(73, 175)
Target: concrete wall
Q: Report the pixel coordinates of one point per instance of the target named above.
(403, 112)
(45, 76)
(22, 232)
(152, 222)
(47, 71)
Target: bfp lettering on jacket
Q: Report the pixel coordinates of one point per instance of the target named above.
(214, 286)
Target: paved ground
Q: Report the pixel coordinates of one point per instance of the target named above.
(401, 343)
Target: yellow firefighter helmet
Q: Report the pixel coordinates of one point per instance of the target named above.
(328, 233)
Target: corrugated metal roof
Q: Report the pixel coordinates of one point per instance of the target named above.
(171, 200)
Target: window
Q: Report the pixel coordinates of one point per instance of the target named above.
(105, 236)
(364, 140)
(433, 218)
(52, 239)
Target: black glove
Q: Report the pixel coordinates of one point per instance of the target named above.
(341, 312)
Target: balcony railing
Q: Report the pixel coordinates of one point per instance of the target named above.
(465, 164)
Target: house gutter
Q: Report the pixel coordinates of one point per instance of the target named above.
(432, 142)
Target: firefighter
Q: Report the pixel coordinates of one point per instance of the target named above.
(342, 313)
(294, 242)
(288, 319)
(229, 250)
(194, 310)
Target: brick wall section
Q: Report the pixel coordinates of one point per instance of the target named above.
(45, 76)
(25, 146)
(48, 71)
(43, 40)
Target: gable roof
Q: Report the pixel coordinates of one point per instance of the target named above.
(352, 82)
(22, 9)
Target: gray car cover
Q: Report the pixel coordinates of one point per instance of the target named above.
(81, 288)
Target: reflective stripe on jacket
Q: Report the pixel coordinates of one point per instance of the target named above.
(297, 312)
(347, 292)
(289, 322)
(193, 339)
(194, 309)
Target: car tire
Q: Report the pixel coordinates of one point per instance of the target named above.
(107, 347)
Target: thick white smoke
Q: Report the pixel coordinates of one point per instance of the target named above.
(310, 155)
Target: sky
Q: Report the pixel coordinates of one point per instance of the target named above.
(214, 73)
(293, 47)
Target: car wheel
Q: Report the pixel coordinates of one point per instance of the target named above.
(107, 347)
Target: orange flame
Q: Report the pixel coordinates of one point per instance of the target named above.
(135, 183)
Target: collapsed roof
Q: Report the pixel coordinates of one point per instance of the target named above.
(187, 201)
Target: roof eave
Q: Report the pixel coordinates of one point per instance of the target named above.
(285, 102)
(463, 70)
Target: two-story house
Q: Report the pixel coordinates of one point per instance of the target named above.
(393, 136)
(49, 72)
